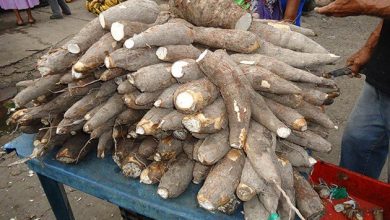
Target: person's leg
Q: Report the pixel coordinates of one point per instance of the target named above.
(55, 8)
(386, 113)
(19, 20)
(365, 141)
(65, 8)
(31, 19)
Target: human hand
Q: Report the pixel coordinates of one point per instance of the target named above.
(343, 8)
(358, 60)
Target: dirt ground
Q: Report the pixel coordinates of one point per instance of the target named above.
(21, 196)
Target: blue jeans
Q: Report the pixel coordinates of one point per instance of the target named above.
(365, 142)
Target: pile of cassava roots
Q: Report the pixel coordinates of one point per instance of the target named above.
(194, 91)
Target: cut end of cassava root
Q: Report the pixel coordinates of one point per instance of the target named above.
(76, 75)
(244, 22)
(144, 177)
(283, 132)
(102, 21)
(129, 43)
(201, 56)
(131, 170)
(74, 48)
(117, 31)
(78, 67)
(157, 103)
(300, 125)
(184, 101)
(177, 69)
(162, 53)
(140, 130)
(192, 124)
(163, 193)
(108, 62)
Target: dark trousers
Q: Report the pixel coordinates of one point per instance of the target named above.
(59, 6)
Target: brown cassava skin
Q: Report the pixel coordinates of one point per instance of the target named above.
(263, 115)
(145, 11)
(181, 134)
(153, 173)
(259, 152)
(168, 148)
(84, 39)
(105, 144)
(199, 135)
(107, 125)
(172, 121)
(281, 69)
(293, 58)
(161, 35)
(148, 125)
(83, 106)
(220, 185)
(69, 125)
(129, 100)
(202, 91)
(133, 164)
(66, 78)
(152, 78)
(196, 149)
(308, 201)
(188, 146)
(297, 156)
(56, 61)
(291, 100)
(40, 87)
(148, 147)
(121, 30)
(318, 129)
(173, 53)
(30, 129)
(286, 172)
(316, 97)
(165, 100)
(94, 56)
(200, 173)
(315, 114)
(120, 131)
(234, 40)
(310, 140)
(254, 210)
(57, 105)
(250, 183)
(131, 60)
(41, 149)
(214, 147)
(51, 131)
(287, 115)
(129, 116)
(146, 98)
(125, 87)
(111, 74)
(223, 73)
(93, 111)
(75, 149)
(176, 180)
(265, 81)
(286, 39)
(186, 70)
(26, 83)
(287, 26)
(111, 108)
(123, 147)
(210, 120)
(107, 89)
(209, 13)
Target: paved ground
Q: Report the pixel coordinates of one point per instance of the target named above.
(20, 193)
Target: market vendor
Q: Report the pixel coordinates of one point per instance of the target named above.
(365, 143)
(286, 10)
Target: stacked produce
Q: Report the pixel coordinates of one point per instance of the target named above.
(98, 6)
(177, 102)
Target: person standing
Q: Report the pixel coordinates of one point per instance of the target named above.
(59, 7)
(17, 5)
(286, 10)
(365, 142)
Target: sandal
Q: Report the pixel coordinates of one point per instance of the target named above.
(20, 24)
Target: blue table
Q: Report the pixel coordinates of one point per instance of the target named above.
(103, 179)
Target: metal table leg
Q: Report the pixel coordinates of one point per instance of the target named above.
(58, 200)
